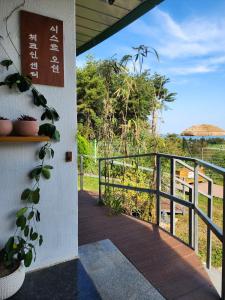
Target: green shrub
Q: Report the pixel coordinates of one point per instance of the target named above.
(84, 148)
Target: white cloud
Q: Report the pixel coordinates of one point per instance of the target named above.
(216, 60)
(169, 24)
(191, 70)
(203, 66)
(192, 37)
(194, 45)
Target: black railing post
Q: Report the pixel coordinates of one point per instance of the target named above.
(81, 173)
(172, 192)
(191, 219)
(209, 233)
(158, 188)
(223, 251)
(196, 206)
(99, 182)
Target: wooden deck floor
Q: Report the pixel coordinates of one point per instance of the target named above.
(173, 268)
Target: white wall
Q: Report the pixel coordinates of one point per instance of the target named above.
(58, 205)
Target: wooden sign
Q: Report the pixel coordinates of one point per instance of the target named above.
(42, 49)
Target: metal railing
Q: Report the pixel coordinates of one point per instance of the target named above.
(194, 211)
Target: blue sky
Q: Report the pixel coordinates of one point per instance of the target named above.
(189, 36)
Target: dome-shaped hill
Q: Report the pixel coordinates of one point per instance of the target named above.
(203, 130)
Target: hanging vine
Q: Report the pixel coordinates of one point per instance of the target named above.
(21, 245)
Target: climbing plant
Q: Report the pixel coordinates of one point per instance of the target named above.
(21, 245)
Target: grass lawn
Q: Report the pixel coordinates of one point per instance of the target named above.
(216, 146)
(90, 183)
(182, 230)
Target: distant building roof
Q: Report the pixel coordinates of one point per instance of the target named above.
(203, 130)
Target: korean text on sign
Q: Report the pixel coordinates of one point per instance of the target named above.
(32, 38)
(54, 48)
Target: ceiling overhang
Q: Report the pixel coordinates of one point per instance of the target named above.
(96, 20)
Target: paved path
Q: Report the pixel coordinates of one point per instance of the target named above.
(217, 190)
(169, 265)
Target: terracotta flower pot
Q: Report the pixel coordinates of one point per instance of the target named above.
(6, 127)
(26, 128)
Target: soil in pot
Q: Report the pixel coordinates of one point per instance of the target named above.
(5, 272)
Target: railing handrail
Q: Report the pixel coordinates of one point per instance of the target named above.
(201, 162)
(191, 204)
(127, 156)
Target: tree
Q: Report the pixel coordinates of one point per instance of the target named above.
(90, 94)
(116, 98)
(161, 96)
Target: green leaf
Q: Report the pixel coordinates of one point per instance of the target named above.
(35, 173)
(35, 94)
(6, 63)
(28, 258)
(26, 230)
(39, 100)
(52, 153)
(51, 114)
(34, 236)
(21, 222)
(12, 79)
(31, 232)
(30, 216)
(56, 136)
(9, 244)
(40, 240)
(47, 129)
(36, 196)
(38, 216)
(24, 83)
(48, 167)
(43, 116)
(36, 98)
(21, 212)
(42, 153)
(25, 194)
(42, 100)
(22, 242)
(46, 173)
(56, 115)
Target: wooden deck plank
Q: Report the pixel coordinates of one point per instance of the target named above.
(172, 267)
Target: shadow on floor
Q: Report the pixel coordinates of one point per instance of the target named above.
(66, 281)
(169, 265)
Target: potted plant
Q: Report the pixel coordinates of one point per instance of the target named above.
(26, 126)
(19, 251)
(6, 126)
(11, 276)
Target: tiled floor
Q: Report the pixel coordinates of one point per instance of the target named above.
(173, 268)
(113, 274)
(66, 281)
